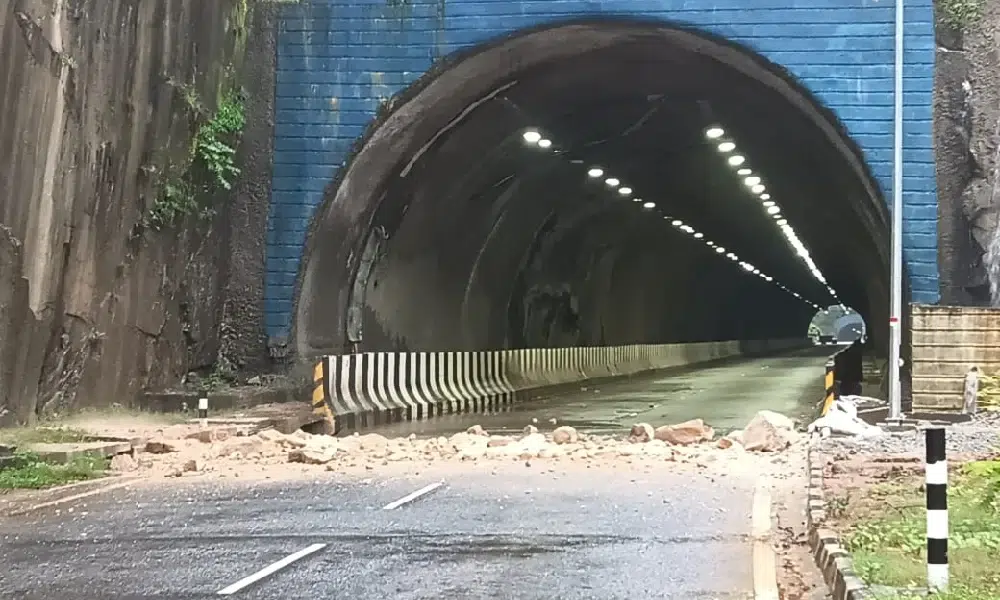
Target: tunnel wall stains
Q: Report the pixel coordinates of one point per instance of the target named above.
(340, 61)
(92, 308)
(355, 391)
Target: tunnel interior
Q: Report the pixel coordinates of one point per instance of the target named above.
(473, 216)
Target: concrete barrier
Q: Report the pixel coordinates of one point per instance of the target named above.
(356, 391)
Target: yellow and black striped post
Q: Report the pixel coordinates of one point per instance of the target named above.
(320, 391)
(831, 388)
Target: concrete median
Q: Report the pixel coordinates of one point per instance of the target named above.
(356, 391)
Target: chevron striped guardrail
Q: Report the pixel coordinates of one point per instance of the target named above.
(355, 391)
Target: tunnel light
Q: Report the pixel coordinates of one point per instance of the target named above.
(758, 189)
(595, 172)
(720, 250)
(714, 133)
(611, 181)
(649, 205)
(727, 147)
(765, 196)
(687, 229)
(710, 243)
(699, 235)
(732, 256)
(531, 136)
(768, 204)
(677, 222)
(776, 216)
(544, 143)
(768, 278)
(752, 181)
(625, 191)
(736, 160)
(636, 199)
(744, 172)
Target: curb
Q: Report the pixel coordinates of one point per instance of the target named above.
(832, 559)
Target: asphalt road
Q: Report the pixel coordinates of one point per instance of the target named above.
(545, 531)
(726, 394)
(518, 533)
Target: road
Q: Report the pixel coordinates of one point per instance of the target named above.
(726, 394)
(602, 531)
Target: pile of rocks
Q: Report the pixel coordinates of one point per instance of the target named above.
(682, 442)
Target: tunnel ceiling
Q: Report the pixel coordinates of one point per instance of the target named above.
(458, 171)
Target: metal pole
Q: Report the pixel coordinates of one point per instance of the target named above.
(936, 468)
(896, 269)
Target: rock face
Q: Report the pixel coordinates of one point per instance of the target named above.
(966, 135)
(768, 432)
(85, 318)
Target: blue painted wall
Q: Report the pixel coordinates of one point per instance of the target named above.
(339, 59)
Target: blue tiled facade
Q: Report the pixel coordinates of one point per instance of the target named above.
(339, 59)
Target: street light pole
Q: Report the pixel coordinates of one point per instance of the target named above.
(896, 269)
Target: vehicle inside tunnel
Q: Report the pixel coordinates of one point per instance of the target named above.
(595, 183)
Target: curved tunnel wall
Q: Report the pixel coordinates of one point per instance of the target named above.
(586, 307)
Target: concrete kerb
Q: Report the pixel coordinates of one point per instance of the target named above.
(832, 559)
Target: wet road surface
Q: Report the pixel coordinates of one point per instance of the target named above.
(518, 533)
(726, 394)
(591, 531)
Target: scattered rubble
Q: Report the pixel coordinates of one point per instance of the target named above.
(214, 451)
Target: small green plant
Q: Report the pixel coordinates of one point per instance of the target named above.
(211, 167)
(29, 471)
(961, 13)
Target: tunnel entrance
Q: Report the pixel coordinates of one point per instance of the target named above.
(837, 324)
(594, 183)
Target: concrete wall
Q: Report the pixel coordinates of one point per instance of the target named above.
(93, 308)
(339, 61)
(361, 390)
(947, 341)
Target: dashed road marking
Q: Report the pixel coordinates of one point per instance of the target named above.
(270, 570)
(765, 574)
(411, 497)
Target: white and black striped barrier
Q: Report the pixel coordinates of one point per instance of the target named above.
(354, 391)
(203, 412)
(937, 509)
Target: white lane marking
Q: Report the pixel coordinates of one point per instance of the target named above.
(270, 570)
(765, 575)
(411, 497)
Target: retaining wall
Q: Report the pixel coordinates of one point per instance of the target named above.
(947, 341)
(355, 391)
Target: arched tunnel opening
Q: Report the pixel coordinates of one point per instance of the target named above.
(729, 204)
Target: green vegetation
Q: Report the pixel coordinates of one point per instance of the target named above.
(20, 436)
(960, 13)
(211, 165)
(885, 532)
(28, 471)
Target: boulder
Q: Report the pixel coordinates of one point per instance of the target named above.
(565, 435)
(768, 432)
(310, 457)
(373, 441)
(686, 433)
(529, 429)
(641, 432)
(123, 463)
(477, 430)
(192, 466)
(160, 446)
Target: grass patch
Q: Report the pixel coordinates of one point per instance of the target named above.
(885, 531)
(29, 471)
(20, 436)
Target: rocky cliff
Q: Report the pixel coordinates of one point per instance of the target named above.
(967, 141)
(114, 253)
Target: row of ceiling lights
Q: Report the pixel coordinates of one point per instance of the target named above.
(756, 186)
(533, 137)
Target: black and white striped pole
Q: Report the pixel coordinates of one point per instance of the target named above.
(203, 412)
(937, 510)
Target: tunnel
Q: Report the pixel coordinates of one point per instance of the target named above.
(594, 183)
